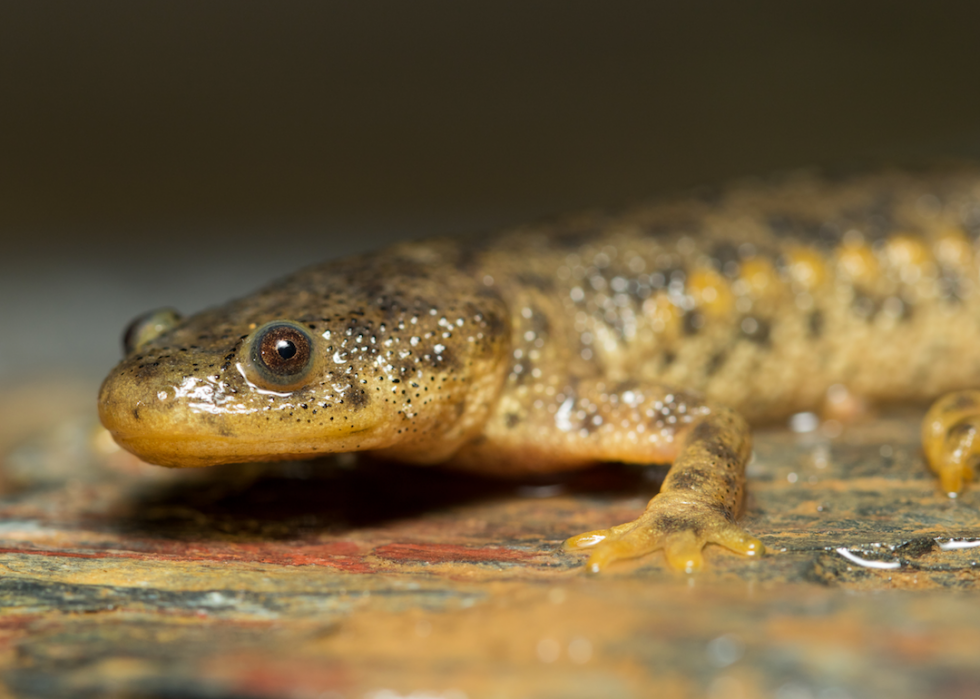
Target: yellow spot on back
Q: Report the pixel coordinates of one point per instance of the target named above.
(806, 268)
(858, 263)
(711, 292)
(953, 249)
(760, 277)
(904, 250)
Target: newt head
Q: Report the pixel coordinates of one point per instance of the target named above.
(264, 378)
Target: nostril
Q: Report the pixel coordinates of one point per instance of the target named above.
(148, 327)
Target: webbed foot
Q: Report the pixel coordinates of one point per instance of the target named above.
(676, 522)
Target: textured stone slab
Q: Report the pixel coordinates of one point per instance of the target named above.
(344, 579)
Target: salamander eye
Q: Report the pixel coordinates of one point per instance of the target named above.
(148, 327)
(281, 354)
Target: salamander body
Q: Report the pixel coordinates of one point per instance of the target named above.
(651, 335)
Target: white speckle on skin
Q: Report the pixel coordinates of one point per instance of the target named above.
(562, 417)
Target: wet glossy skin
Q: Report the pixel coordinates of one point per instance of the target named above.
(646, 336)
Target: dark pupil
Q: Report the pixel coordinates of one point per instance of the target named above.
(283, 351)
(286, 349)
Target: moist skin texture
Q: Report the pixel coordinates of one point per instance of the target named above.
(656, 334)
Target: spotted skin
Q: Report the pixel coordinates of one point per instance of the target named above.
(652, 335)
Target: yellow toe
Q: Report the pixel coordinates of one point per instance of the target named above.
(952, 478)
(587, 540)
(683, 552)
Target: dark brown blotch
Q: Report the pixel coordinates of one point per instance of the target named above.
(672, 524)
(962, 401)
(759, 331)
(536, 281)
(815, 323)
(357, 398)
(715, 362)
(711, 438)
(445, 360)
(865, 306)
(693, 321)
(689, 479)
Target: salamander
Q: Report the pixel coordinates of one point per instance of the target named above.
(656, 334)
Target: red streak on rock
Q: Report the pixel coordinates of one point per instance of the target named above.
(441, 553)
(341, 555)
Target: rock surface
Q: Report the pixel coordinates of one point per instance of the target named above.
(355, 579)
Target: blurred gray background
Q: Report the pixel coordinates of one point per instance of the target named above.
(181, 153)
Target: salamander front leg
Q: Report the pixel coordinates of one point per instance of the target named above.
(697, 505)
(950, 439)
(592, 420)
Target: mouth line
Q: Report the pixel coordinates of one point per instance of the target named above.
(206, 449)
